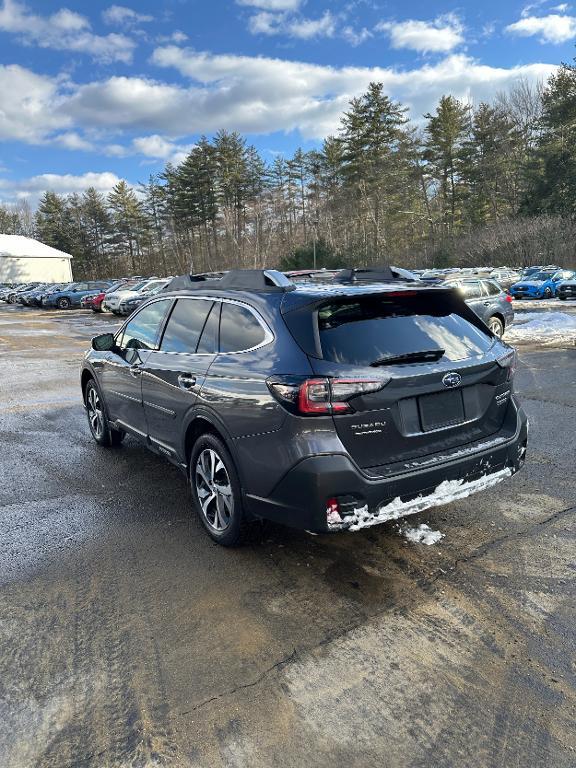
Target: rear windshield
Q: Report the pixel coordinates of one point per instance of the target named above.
(361, 330)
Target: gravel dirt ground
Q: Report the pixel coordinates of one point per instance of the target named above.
(129, 639)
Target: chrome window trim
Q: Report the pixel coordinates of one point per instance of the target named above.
(268, 333)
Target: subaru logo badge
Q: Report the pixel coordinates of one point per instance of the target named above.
(452, 379)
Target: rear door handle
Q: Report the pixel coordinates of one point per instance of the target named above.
(186, 381)
(135, 370)
(486, 303)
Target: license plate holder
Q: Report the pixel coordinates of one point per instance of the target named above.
(441, 410)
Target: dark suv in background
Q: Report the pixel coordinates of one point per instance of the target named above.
(321, 406)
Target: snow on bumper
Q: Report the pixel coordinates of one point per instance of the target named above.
(446, 492)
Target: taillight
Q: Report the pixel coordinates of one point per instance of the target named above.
(509, 298)
(508, 361)
(321, 396)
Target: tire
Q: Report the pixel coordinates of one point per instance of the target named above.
(562, 298)
(12, 299)
(64, 303)
(496, 326)
(221, 513)
(100, 428)
(548, 293)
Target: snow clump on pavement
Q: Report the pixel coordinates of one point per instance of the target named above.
(423, 534)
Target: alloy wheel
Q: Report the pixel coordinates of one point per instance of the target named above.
(214, 490)
(496, 327)
(95, 413)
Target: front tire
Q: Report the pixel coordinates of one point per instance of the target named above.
(548, 293)
(496, 326)
(64, 303)
(216, 491)
(561, 297)
(98, 423)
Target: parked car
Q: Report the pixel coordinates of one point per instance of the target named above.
(113, 298)
(45, 292)
(541, 285)
(505, 277)
(11, 295)
(490, 302)
(25, 297)
(324, 407)
(566, 289)
(131, 300)
(70, 297)
(95, 300)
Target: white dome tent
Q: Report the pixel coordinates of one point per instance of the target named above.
(23, 259)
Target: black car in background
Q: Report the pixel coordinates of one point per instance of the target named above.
(322, 406)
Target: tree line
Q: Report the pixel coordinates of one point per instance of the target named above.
(491, 184)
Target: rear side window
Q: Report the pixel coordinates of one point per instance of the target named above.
(239, 329)
(362, 330)
(492, 288)
(185, 325)
(471, 289)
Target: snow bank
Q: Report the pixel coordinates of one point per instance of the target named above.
(423, 534)
(543, 327)
(447, 491)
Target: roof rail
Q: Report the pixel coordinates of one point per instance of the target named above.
(380, 273)
(268, 280)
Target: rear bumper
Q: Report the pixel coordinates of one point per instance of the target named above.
(300, 498)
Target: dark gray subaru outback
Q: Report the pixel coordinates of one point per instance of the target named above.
(322, 406)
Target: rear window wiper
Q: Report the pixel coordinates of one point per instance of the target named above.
(410, 357)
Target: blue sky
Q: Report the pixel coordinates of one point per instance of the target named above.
(91, 92)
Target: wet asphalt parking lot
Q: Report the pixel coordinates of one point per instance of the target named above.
(129, 639)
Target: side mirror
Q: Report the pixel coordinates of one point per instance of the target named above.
(104, 343)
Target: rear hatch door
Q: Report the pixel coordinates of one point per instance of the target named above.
(442, 386)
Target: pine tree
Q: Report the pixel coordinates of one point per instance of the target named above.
(446, 131)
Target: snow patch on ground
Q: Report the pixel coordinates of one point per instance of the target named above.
(447, 491)
(544, 327)
(521, 304)
(423, 534)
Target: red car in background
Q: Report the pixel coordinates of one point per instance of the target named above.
(94, 301)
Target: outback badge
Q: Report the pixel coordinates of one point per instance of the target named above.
(451, 379)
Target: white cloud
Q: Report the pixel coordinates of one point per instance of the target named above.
(553, 28)
(63, 31)
(262, 95)
(72, 140)
(123, 116)
(63, 184)
(356, 36)
(159, 148)
(306, 29)
(122, 16)
(439, 36)
(29, 105)
(153, 147)
(265, 23)
(272, 5)
(175, 37)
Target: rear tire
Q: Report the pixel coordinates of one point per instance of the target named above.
(216, 491)
(548, 293)
(64, 303)
(98, 423)
(496, 326)
(562, 298)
